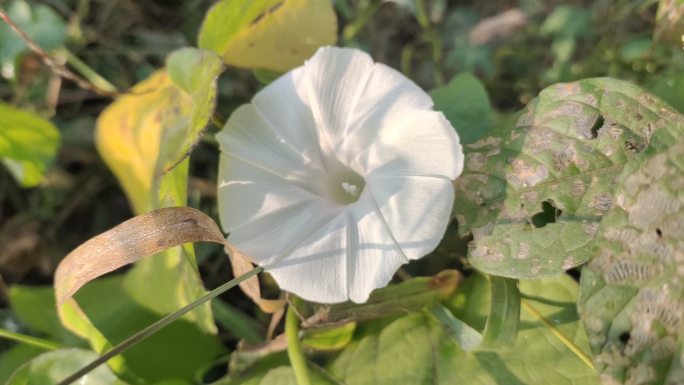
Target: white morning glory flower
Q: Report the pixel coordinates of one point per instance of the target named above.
(335, 175)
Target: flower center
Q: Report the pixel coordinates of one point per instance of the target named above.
(346, 187)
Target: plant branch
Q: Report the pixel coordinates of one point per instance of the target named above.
(54, 65)
(158, 325)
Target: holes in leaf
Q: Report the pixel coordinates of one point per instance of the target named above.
(549, 214)
(633, 147)
(595, 128)
(624, 337)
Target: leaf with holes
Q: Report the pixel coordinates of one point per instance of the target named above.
(534, 195)
(632, 292)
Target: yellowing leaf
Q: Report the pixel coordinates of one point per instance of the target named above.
(129, 131)
(131, 241)
(268, 34)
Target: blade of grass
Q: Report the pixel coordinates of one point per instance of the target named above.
(29, 340)
(158, 325)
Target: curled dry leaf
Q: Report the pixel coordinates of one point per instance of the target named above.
(131, 241)
(241, 265)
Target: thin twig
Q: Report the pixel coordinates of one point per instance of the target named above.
(54, 65)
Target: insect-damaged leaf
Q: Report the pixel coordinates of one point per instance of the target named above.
(131, 241)
(276, 35)
(632, 293)
(534, 195)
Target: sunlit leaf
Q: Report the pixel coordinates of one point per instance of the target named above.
(501, 329)
(11, 359)
(329, 339)
(465, 103)
(178, 351)
(534, 195)
(141, 136)
(28, 144)
(35, 307)
(632, 292)
(417, 349)
(40, 23)
(52, 367)
(131, 241)
(268, 34)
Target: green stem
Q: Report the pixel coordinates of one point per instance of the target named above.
(88, 73)
(155, 327)
(352, 29)
(29, 340)
(294, 349)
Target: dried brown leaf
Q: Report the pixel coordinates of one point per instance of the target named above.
(241, 265)
(131, 241)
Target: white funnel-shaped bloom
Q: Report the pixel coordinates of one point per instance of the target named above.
(335, 175)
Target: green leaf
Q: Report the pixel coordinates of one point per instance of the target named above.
(40, 23)
(179, 350)
(330, 338)
(35, 307)
(274, 369)
(28, 144)
(52, 367)
(416, 348)
(632, 292)
(501, 329)
(534, 195)
(11, 359)
(275, 35)
(467, 337)
(465, 103)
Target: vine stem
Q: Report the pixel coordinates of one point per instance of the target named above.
(28, 340)
(294, 348)
(155, 327)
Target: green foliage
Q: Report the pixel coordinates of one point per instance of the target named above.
(465, 103)
(534, 195)
(51, 367)
(28, 144)
(121, 316)
(417, 349)
(40, 23)
(632, 294)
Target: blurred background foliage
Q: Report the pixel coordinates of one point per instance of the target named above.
(510, 50)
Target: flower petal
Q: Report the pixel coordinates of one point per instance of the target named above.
(281, 104)
(422, 143)
(249, 137)
(247, 193)
(416, 208)
(333, 83)
(347, 258)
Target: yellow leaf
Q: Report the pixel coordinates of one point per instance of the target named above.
(279, 38)
(129, 131)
